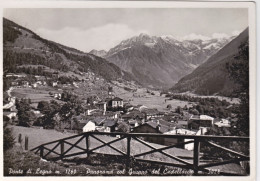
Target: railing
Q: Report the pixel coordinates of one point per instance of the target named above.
(84, 139)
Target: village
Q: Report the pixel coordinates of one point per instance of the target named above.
(107, 112)
(119, 92)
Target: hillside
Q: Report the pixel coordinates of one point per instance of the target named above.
(162, 61)
(24, 47)
(212, 77)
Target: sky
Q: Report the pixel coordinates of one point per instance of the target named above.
(102, 29)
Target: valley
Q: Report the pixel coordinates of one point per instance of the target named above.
(162, 61)
(152, 99)
(155, 85)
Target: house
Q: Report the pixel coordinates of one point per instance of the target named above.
(113, 115)
(14, 83)
(155, 126)
(186, 115)
(102, 106)
(116, 102)
(39, 78)
(39, 82)
(25, 83)
(57, 95)
(149, 127)
(135, 114)
(54, 84)
(14, 75)
(99, 121)
(10, 115)
(34, 85)
(223, 131)
(90, 126)
(55, 75)
(197, 121)
(37, 113)
(95, 112)
(152, 113)
(134, 123)
(172, 117)
(89, 109)
(182, 124)
(190, 146)
(109, 125)
(75, 84)
(223, 123)
(10, 106)
(128, 106)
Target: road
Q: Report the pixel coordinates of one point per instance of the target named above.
(12, 101)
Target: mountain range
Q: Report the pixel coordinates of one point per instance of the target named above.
(161, 61)
(24, 47)
(213, 77)
(196, 65)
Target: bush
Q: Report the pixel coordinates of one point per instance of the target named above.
(8, 137)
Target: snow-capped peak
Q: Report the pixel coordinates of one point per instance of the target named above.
(194, 36)
(168, 38)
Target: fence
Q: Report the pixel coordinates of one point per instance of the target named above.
(76, 142)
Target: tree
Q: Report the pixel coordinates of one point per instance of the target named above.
(185, 107)
(239, 72)
(123, 127)
(25, 116)
(67, 111)
(195, 112)
(110, 89)
(6, 84)
(179, 110)
(8, 137)
(49, 119)
(44, 107)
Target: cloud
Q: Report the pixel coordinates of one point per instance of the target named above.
(100, 38)
(194, 36)
(220, 35)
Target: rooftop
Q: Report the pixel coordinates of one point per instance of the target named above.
(181, 131)
(110, 122)
(117, 99)
(201, 117)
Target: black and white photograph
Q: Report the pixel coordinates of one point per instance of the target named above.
(129, 89)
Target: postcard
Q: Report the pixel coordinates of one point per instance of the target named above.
(128, 90)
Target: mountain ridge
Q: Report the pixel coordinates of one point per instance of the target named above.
(161, 61)
(212, 76)
(99, 53)
(23, 46)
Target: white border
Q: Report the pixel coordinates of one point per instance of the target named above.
(153, 4)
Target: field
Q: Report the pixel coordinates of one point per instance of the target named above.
(221, 98)
(138, 97)
(141, 97)
(36, 95)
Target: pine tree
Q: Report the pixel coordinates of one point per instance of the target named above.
(239, 72)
